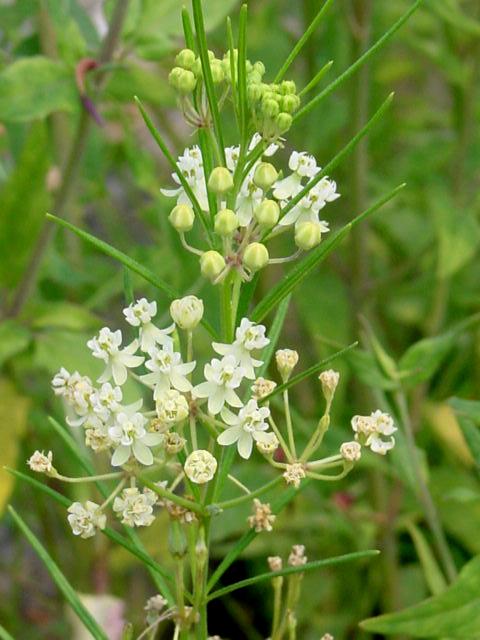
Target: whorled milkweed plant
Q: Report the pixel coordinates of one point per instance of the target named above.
(173, 447)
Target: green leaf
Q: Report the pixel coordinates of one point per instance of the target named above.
(467, 408)
(24, 199)
(433, 575)
(13, 423)
(311, 261)
(309, 566)
(64, 315)
(14, 338)
(59, 579)
(471, 433)
(358, 63)
(4, 635)
(274, 335)
(455, 613)
(34, 87)
(367, 370)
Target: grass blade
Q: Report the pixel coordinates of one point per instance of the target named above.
(274, 335)
(207, 75)
(242, 75)
(347, 149)
(57, 576)
(312, 260)
(316, 78)
(358, 63)
(188, 30)
(309, 566)
(4, 635)
(302, 41)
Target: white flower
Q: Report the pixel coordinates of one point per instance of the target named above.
(140, 314)
(60, 382)
(248, 337)
(250, 424)
(106, 346)
(303, 165)
(168, 370)
(222, 377)
(369, 429)
(130, 437)
(351, 451)
(191, 166)
(172, 407)
(309, 206)
(41, 463)
(200, 466)
(77, 391)
(187, 312)
(98, 439)
(106, 400)
(248, 199)
(85, 519)
(135, 508)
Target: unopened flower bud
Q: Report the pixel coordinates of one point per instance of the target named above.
(182, 80)
(275, 563)
(262, 518)
(172, 407)
(283, 122)
(212, 264)
(267, 213)
(259, 67)
(200, 466)
(297, 556)
(173, 442)
(174, 76)
(329, 380)
(226, 221)
(182, 217)
(185, 59)
(290, 103)
(262, 387)
(288, 87)
(220, 180)
(286, 361)
(187, 312)
(270, 108)
(218, 74)
(255, 256)
(254, 92)
(265, 175)
(308, 235)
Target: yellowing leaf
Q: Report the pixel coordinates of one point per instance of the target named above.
(444, 424)
(13, 421)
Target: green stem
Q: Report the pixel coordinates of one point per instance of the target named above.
(288, 419)
(234, 502)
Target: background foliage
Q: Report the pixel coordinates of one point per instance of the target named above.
(403, 284)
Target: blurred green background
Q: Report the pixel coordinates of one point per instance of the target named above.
(408, 275)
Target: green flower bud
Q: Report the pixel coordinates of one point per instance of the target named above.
(290, 103)
(255, 256)
(259, 67)
(212, 264)
(248, 66)
(186, 82)
(182, 217)
(226, 221)
(269, 94)
(307, 235)
(174, 76)
(265, 175)
(267, 213)
(185, 59)
(270, 108)
(220, 180)
(197, 68)
(254, 78)
(254, 92)
(218, 74)
(283, 122)
(288, 87)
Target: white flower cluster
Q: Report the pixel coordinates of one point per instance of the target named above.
(370, 429)
(253, 208)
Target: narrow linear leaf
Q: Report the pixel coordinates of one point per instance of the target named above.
(274, 335)
(309, 566)
(467, 408)
(4, 635)
(242, 72)
(128, 262)
(312, 260)
(188, 30)
(309, 372)
(433, 575)
(57, 576)
(316, 78)
(207, 74)
(471, 433)
(337, 159)
(302, 41)
(358, 63)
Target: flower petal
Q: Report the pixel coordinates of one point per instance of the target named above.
(229, 436)
(121, 455)
(142, 453)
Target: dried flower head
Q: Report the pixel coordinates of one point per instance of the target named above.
(85, 519)
(351, 451)
(297, 556)
(262, 388)
(275, 563)
(286, 361)
(200, 466)
(41, 463)
(262, 518)
(176, 512)
(134, 508)
(173, 442)
(294, 474)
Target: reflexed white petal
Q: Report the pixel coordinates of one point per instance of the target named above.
(107, 374)
(229, 436)
(204, 389)
(245, 445)
(180, 383)
(152, 439)
(142, 453)
(121, 455)
(119, 372)
(229, 417)
(216, 400)
(232, 399)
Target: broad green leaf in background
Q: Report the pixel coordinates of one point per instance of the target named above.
(13, 423)
(57, 576)
(34, 87)
(455, 613)
(367, 370)
(24, 199)
(14, 338)
(468, 408)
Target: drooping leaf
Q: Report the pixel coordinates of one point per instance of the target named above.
(455, 613)
(34, 87)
